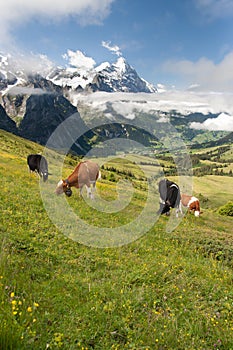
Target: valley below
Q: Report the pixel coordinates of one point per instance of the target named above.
(160, 289)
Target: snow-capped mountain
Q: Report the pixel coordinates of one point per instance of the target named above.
(118, 76)
(8, 76)
(115, 77)
(35, 96)
(17, 71)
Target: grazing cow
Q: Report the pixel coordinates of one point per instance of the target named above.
(86, 173)
(192, 203)
(169, 196)
(38, 163)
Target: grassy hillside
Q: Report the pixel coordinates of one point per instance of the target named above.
(163, 291)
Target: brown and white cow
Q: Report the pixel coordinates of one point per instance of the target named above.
(190, 202)
(85, 174)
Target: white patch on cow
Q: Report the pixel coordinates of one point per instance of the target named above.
(60, 183)
(174, 185)
(193, 199)
(161, 200)
(197, 213)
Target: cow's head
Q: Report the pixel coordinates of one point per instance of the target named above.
(45, 176)
(195, 206)
(63, 187)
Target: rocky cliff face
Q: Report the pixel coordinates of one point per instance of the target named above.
(34, 105)
(7, 123)
(44, 113)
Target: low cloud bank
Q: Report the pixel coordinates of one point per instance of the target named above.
(224, 122)
(184, 102)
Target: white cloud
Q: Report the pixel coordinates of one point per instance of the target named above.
(184, 102)
(78, 60)
(223, 122)
(215, 8)
(16, 90)
(204, 72)
(27, 63)
(112, 48)
(15, 12)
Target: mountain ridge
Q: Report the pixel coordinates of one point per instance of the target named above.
(111, 77)
(33, 104)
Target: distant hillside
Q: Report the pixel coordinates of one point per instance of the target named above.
(163, 290)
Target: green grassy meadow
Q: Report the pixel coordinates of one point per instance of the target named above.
(162, 291)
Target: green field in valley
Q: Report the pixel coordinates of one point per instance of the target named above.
(165, 290)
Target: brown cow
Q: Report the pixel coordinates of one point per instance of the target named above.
(192, 203)
(85, 173)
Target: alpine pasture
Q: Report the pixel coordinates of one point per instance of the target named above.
(162, 291)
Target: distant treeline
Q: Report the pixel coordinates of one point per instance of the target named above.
(125, 173)
(212, 170)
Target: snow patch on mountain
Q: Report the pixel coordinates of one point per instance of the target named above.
(83, 74)
(15, 71)
(80, 73)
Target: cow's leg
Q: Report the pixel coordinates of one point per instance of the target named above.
(180, 208)
(81, 191)
(161, 206)
(93, 183)
(166, 209)
(93, 189)
(89, 192)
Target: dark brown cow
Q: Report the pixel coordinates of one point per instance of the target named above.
(85, 174)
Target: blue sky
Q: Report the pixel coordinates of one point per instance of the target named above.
(181, 43)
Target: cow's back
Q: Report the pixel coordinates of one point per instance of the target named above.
(163, 189)
(33, 161)
(185, 198)
(38, 163)
(43, 164)
(169, 195)
(93, 170)
(174, 195)
(87, 172)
